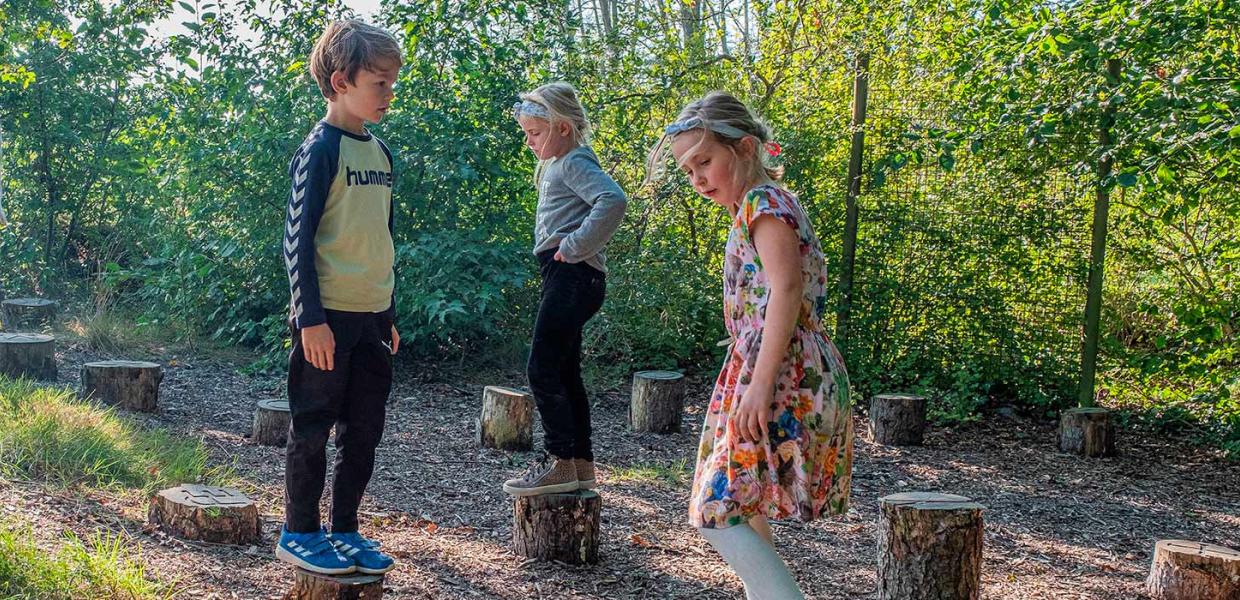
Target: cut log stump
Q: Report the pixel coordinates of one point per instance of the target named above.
(563, 527)
(19, 313)
(898, 419)
(658, 400)
(507, 420)
(271, 420)
(206, 513)
(314, 586)
(1184, 570)
(929, 547)
(31, 355)
(1087, 432)
(130, 384)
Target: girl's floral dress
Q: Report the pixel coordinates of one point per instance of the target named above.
(804, 467)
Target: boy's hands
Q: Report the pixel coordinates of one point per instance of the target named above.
(319, 346)
(395, 340)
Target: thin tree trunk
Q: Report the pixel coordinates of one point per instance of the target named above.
(690, 21)
(95, 173)
(4, 220)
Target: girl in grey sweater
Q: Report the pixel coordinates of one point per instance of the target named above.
(579, 208)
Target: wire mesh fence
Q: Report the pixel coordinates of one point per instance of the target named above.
(971, 265)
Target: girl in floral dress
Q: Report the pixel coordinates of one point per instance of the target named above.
(777, 440)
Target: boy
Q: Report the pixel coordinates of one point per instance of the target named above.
(338, 252)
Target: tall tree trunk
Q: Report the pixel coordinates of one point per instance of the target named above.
(745, 33)
(606, 16)
(4, 219)
(690, 22)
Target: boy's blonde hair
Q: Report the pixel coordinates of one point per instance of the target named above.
(714, 112)
(349, 46)
(560, 100)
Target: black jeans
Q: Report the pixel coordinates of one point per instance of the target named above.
(571, 294)
(353, 397)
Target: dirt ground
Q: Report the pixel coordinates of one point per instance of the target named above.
(1056, 526)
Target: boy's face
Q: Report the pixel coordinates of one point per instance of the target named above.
(544, 140)
(370, 93)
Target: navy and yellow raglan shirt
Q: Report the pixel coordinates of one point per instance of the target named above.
(338, 232)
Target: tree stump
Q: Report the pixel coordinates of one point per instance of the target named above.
(271, 421)
(563, 527)
(314, 586)
(929, 547)
(31, 355)
(1184, 570)
(897, 419)
(507, 420)
(658, 400)
(129, 384)
(1087, 432)
(24, 312)
(206, 513)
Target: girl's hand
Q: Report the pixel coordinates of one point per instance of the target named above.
(395, 340)
(558, 256)
(750, 420)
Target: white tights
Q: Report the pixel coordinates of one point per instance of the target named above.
(764, 573)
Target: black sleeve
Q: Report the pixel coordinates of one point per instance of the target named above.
(391, 216)
(312, 170)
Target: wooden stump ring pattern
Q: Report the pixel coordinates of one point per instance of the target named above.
(1185, 570)
(206, 513)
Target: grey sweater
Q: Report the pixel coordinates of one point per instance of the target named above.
(579, 208)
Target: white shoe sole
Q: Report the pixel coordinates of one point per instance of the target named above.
(557, 488)
(587, 484)
(297, 561)
(376, 571)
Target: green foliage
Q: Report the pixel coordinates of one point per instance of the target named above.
(101, 567)
(152, 170)
(469, 291)
(47, 434)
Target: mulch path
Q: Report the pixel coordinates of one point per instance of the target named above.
(1057, 526)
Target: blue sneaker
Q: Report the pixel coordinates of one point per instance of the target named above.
(364, 553)
(312, 552)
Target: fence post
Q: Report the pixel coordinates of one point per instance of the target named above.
(1098, 246)
(861, 93)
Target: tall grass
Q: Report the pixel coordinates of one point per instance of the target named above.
(101, 567)
(47, 434)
